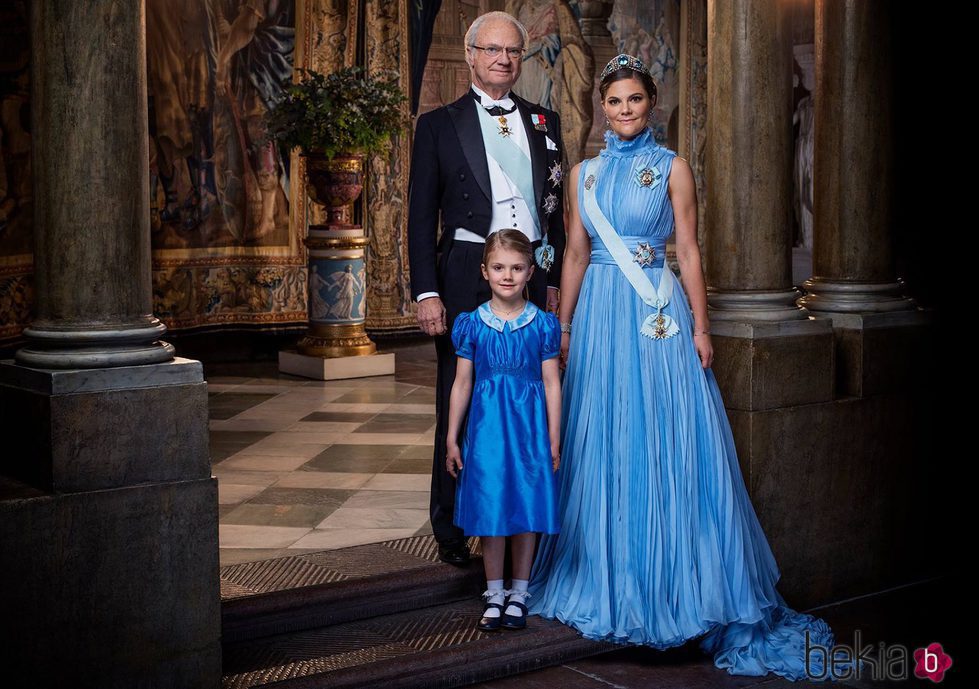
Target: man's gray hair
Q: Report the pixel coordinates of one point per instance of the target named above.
(478, 23)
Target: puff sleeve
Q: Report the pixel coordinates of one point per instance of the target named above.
(550, 331)
(462, 336)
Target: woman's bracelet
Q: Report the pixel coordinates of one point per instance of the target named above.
(566, 328)
(701, 332)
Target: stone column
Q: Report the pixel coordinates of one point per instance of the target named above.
(594, 29)
(594, 22)
(855, 285)
(819, 411)
(108, 511)
(91, 189)
(853, 245)
(749, 162)
(769, 354)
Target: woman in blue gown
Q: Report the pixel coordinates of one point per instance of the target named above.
(659, 543)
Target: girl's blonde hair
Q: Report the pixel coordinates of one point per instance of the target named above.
(510, 240)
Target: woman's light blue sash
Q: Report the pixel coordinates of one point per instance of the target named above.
(657, 326)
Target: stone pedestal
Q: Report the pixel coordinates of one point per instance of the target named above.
(835, 433)
(770, 365)
(108, 528)
(337, 368)
(78, 430)
(842, 490)
(879, 353)
(110, 588)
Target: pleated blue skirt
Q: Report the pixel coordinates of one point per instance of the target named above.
(659, 543)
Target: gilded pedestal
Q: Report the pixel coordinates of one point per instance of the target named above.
(337, 280)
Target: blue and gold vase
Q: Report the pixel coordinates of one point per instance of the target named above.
(337, 270)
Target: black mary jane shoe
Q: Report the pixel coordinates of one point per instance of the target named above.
(490, 624)
(514, 621)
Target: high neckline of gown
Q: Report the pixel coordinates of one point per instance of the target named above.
(617, 148)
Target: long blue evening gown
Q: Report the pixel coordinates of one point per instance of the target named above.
(658, 543)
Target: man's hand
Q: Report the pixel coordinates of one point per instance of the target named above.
(431, 316)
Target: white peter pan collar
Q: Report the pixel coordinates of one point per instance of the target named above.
(492, 320)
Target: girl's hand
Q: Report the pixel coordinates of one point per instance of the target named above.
(555, 456)
(453, 459)
(705, 350)
(565, 346)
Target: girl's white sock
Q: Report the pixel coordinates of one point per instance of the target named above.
(494, 594)
(518, 594)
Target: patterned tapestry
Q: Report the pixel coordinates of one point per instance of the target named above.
(220, 195)
(226, 225)
(390, 307)
(651, 32)
(228, 211)
(16, 235)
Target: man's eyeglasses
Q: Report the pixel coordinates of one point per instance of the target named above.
(496, 51)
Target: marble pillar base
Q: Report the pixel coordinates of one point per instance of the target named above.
(112, 589)
(51, 347)
(839, 296)
(844, 491)
(91, 429)
(878, 353)
(755, 305)
(770, 365)
(108, 529)
(338, 368)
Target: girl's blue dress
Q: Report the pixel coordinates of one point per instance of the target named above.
(506, 485)
(659, 543)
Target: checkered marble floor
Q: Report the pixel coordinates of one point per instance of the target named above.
(307, 466)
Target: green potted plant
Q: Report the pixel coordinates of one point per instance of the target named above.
(335, 120)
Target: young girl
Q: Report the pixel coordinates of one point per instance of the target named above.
(505, 469)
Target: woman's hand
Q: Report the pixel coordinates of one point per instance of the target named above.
(565, 346)
(705, 350)
(555, 456)
(453, 459)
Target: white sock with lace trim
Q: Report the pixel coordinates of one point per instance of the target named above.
(518, 594)
(494, 593)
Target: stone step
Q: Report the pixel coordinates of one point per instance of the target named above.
(348, 600)
(433, 647)
(310, 590)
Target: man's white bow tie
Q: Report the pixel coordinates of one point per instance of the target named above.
(506, 103)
